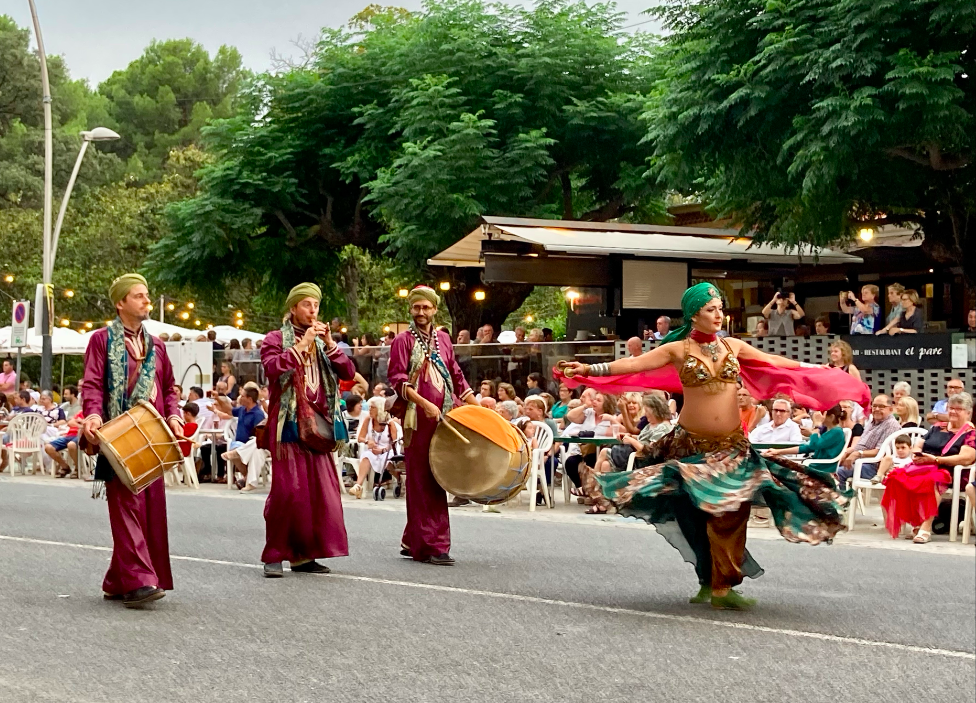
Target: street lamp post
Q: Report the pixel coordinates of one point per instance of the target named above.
(48, 170)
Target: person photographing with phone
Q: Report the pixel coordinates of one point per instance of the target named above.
(781, 312)
(865, 313)
(303, 513)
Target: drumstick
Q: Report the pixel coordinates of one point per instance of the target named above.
(453, 429)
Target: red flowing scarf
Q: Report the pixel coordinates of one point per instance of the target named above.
(813, 387)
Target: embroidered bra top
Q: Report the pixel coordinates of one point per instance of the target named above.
(695, 373)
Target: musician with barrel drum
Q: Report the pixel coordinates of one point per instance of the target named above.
(429, 383)
(127, 371)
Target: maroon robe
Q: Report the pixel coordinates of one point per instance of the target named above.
(428, 530)
(303, 514)
(140, 537)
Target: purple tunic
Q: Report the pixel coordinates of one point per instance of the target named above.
(303, 514)
(428, 530)
(140, 537)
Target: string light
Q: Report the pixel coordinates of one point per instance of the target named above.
(69, 293)
(184, 315)
(528, 318)
(239, 314)
(196, 322)
(239, 323)
(190, 306)
(403, 292)
(866, 234)
(65, 323)
(479, 295)
(445, 285)
(171, 307)
(386, 328)
(88, 325)
(9, 278)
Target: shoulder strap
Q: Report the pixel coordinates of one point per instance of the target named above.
(968, 427)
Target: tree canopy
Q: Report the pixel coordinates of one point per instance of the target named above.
(808, 120)
(405, 128)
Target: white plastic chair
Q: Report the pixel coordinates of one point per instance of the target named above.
(957, 493)
(835, 459)
(537, 474)
(230, 432)
(968, 520)
(25, 431)
(189, 464)
(864, 484)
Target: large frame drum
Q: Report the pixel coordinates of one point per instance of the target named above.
(492, 467)
(139, 445)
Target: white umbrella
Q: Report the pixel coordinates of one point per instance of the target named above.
(63, 341)
(157, 328)
(225, 333)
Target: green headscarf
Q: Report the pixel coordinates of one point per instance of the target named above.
(300, 292)
(694, 299)
(122, 285)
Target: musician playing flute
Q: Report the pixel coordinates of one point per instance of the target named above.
(424, 372)
(303, 514)
(123, 365)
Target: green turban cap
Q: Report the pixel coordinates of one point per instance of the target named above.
(694, 299)
(424, 293)
(302, 291)
(123, 284)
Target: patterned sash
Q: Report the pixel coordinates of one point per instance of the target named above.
(117, 368)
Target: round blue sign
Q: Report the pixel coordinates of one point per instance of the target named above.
(20, 312)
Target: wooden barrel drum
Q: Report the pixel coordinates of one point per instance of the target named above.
(139, 445)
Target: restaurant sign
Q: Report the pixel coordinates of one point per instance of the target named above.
(902, 351)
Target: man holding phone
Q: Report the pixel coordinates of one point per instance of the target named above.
(781, 312)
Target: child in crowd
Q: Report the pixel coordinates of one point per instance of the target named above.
(190, 412)
(901, 458)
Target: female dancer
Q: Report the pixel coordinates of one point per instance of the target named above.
(704, 475)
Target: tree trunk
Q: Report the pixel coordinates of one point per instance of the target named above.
(350, 278)
(501, 299)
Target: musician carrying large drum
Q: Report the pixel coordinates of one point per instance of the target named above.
(426, 376)
(127, 373)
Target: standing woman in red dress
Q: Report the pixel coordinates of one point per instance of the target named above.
(303, 514)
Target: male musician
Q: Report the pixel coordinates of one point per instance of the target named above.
(125, 364)
(424, 372)
(303, 514)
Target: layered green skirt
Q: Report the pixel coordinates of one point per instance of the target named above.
(687, 478)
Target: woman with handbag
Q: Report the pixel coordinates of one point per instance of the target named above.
(912, 493)
(303, 514)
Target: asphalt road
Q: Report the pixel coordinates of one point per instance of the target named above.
(534, 610)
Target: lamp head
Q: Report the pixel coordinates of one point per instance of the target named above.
(100, 134)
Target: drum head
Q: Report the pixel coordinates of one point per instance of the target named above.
(481, 470)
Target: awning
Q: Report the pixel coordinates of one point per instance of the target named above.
(646, 241)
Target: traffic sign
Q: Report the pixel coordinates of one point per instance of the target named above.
(18, 329)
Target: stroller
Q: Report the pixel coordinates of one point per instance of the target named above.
(391, 459)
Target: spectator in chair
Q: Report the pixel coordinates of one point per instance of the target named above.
(780, 429)
(463, 337)
(488, 402)
(69, 442)
(506, 391)
(486, 389)
(508, 409)
(940, 411)
(906, 410)
(243, 451)
(900, 390)
(634, 347)
(882, 425)
(534, 383)
(822, 325)
(8, 378)
(841, 356)
(750, 412)
(825, 445)
(912, 494)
